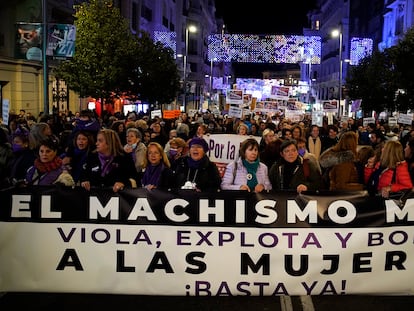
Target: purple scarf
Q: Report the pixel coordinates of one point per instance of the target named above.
(152, 175)
(106, 162)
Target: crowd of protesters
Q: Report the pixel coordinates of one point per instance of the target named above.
(133, 150)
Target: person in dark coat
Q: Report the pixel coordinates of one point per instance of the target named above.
(6, 156)
(157, 168)
(196, 171)
(108, 165)
(77, 153)
(331, 139)
(23, 157)
(292, 172)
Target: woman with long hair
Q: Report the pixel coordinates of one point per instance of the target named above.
(339, 162)
(108, 165)
(157, 171)
(390, 173)
(137, 149)
(77, 153)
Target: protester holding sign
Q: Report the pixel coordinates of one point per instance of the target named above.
(292, 172)
(247, 172)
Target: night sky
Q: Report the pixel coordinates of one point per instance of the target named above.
(258, 17)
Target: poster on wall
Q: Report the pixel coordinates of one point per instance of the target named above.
(5, 112)
(28, 41)
(61, 41)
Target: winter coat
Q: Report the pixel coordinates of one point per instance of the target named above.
(312, 180)
(19, 165)
(233, 180)
(122, 170)
(343, 173)
(400, 181)
(206, 177)
(315, 146)
(33, 176)
(6, 156)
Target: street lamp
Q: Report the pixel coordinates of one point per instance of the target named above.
(188, 29)
(338, 33)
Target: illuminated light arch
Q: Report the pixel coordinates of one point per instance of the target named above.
(360, 48)
(245, 48)
(264, 48)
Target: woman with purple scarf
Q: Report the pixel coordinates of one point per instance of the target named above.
(108, 165)
(157, 174)
(48, 168)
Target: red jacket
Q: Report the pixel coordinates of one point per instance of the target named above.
(402, 177)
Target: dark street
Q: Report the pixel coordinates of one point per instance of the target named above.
(62, 302)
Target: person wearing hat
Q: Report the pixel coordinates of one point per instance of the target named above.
(292, 172)
(195, 171)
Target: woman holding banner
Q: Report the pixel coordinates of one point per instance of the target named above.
(157, 171)
(48, 168)
(391, 173)
(292, 172)
(247, 172)
(196, 171)
(108, 165)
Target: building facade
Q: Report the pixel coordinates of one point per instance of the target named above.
(21, 77)
(383, 21)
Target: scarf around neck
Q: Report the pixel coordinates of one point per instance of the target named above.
(289, 169)
(193, 163)
(152, 175)
(106, 162)
(49, 166)
(251, 168)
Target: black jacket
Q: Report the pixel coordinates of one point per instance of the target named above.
(123, 169)
(206, 176)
